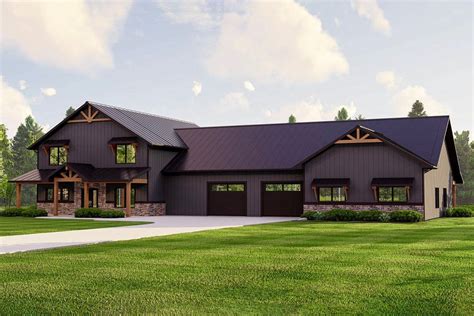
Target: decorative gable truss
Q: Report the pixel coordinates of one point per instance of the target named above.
(359, 135)
(89, 116)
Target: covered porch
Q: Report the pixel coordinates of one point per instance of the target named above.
(63, 190)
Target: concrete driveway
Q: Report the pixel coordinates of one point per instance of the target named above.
(160, 226)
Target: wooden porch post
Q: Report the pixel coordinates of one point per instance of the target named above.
(128, 198)
(55, 197)
(454, 194)
(86, 194)
(18, 195)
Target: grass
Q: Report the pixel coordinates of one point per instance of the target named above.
(285, 268)
(25, 225)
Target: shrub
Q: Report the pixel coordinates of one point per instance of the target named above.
(340, 215)
(28, 212)
(461, 211)
(405, 216)
(112, 214)
(87, 212)
(313, 215)
(384, 217)
(370, 216)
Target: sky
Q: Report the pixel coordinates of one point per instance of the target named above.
(237, 62)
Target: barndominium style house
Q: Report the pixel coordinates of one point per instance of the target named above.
(113, 158)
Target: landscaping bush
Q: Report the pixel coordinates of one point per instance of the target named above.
(384, 217)
(461, 211)
(112, 214)
(370, 216)
(340, 215)
(28, 212)
(313, 215)
(405, 216)
(87, 212)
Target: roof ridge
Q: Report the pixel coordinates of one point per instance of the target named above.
(312, 122)
(141, 112)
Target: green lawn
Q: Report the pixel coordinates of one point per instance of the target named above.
(25, 225)
(287, 268)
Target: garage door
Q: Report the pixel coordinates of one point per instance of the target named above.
(282, 199)
(227, 199)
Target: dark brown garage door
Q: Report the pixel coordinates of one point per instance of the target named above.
(227, 199)
(282, 199)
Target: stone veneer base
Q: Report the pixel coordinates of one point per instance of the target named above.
(358, 207)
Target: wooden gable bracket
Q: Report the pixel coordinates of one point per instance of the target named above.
(69, 176)
(361, 137)
(89, 117)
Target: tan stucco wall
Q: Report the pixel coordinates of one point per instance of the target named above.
(437, 178)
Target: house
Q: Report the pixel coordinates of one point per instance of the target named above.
(114, 158)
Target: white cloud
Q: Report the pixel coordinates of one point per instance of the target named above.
(197, 88)
(370, 10)
(308, 110)
(49, 92)
(337, 22)
(277, 41)
(234, 101)
(23, 84)
(196, 12)
(249, 86)
(387, 79)
(14, 107)
(404, 99)
(74, 35)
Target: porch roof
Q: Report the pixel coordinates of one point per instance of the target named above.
(33, 176)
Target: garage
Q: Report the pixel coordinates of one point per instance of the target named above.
(229, 199)
(282, 199)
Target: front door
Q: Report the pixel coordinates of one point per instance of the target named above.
(93, 198)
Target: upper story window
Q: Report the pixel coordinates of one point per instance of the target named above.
(57, 155)
(125, 153)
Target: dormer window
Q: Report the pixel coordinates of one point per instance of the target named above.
(57, 155)
(125, 153)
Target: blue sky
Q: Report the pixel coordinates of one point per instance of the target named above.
(230, 62)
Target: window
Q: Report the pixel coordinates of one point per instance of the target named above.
(279, 187)
(133, 194)
(65, 194)
(392, 194)
(57, 156)
(445, 198)
(332, 194)
(125, 153)
(49, 194)
(120, 197)
(436, 197)
(222, 187)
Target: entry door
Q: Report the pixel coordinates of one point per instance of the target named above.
(93, 198)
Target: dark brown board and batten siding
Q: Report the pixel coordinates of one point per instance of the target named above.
(157, 159)
(88, 144)
(362, 163)
(187, 194)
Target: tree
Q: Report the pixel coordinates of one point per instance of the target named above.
(292, 119)
(417, 110)
(6, 188)
(465, 151)
(24, 160)
(359, 117)
(70, 111)
(342, 115)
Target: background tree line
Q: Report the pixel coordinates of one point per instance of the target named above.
(464, 149)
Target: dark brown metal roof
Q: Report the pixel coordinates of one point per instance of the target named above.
(392, 181)
(330, 182)
(33, 176)
(154, 129)
(287, 146)
(123, 140)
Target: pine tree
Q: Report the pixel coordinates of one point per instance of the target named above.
(465, 151)
(6, 188)
(417, 110)
(292, 119)
(70, 111)
(342, 115)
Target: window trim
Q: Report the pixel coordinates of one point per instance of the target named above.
(58, 160)
(407, 197)
(126, 151)
(332, 194)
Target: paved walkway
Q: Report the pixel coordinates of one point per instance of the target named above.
(161, 226)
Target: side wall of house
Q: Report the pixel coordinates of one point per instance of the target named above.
(361, 163)
(438, 178)
(89, 144)
(187, 194)
(157, 160)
